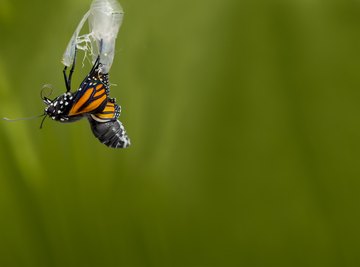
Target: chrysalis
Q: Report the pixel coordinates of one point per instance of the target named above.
(105, 18)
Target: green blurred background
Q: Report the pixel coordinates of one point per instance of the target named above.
(244, 119)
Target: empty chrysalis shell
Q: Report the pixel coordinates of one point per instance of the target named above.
(105, 18)
(69, 53)
(104, 22)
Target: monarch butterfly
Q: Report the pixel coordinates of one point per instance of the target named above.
(92, 101)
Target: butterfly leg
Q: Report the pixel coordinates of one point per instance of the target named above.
(68, 80)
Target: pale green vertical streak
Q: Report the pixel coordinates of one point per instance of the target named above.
(18, 135)
(6, 10)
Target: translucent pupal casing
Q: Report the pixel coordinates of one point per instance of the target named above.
(105, 18)
(69, 53)
(104, 22)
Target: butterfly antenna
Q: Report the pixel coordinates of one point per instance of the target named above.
(23, 119)
(42, 121)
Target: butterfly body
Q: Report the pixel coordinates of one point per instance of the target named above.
(92, 101)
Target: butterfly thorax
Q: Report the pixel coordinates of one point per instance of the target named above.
(58, 109)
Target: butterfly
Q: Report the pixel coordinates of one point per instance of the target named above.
(92, 101)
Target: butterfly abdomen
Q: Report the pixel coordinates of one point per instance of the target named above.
(111, 133)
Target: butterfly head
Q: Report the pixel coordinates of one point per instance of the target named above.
(58, 108)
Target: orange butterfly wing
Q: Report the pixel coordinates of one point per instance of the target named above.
(110, 112)
(91, 96)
